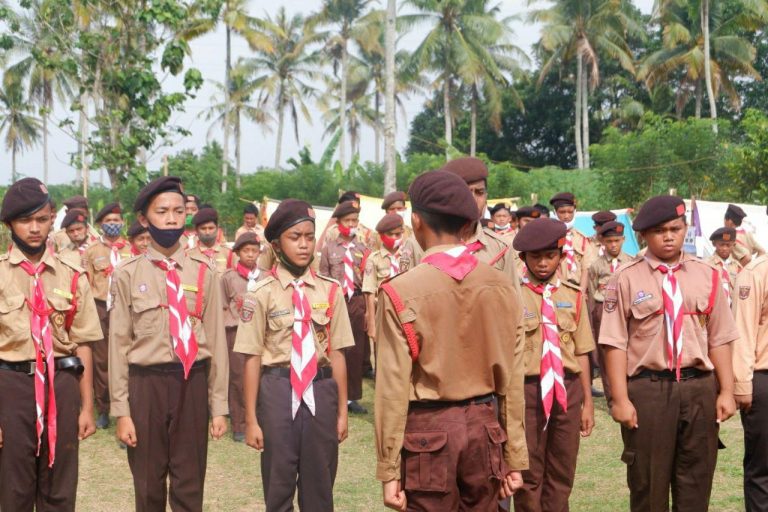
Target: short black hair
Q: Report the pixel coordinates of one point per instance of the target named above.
(349, 195)
(439, 223)
(543, 209)
(250, 208)
(735, 218)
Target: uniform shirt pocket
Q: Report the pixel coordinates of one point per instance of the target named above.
(101, 264)
(426, 460)
(60, 308)
(648, 317)
(14, 321)
(279, 329)
(320, 324)
(148, 315)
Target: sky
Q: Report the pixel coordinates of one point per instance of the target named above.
(258, 146)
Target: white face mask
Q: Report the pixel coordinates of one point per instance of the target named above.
(402, 213)
(569, 225)
(503, 228)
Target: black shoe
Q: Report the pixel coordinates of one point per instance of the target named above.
(370, 374)
(597, 393)
(238, 437)
(102, 421)
(356, 408)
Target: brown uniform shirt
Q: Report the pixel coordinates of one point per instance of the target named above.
(377, 269)
(139, 331)
(219, 259)
(600, 274)
(364, 234)
(750, 304)
(584, 254)
(15, 330)
(332, 261)
(465, 353)
(572, 324)
(258, 229)
(266, 318)
(61, 239)
(74, 254)
(99, 266)
(733, 267)
(633, 318)
(746, 245)
(234, 286)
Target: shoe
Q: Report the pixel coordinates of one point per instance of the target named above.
(356, 408)
(122, 445)
(238, 437)
(597, 393)
(102, 421)
(370, 374)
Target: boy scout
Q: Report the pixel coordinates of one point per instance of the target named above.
(746, 245)
(382, 264)
(343, 259)
(191, 207)
(250, 222)
(578, 251)
(47, 319)
(168, 363)
(331, 232)
(666, 326)
(723, 239)
(599, 219)
(292, 326)
(394, 202)
(750, 368)
(59, 237)
(235, 282)
(501, 216)
(558, 340)
(435, 389)
(206, 223)
(139, 238)
(75, 225)
(101, 260)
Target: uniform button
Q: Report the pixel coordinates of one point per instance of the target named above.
(423, 442)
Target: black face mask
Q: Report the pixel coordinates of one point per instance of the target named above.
(165, 237)
(295, 270)
(25, 248)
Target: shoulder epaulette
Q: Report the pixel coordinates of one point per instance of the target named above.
(261, 283)
(74, 265)
(756, 262)
(130, 261)
(4, 256)
(326, 278)
(575, 287)
(492, 234)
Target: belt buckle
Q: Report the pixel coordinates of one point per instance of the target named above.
(33, 368)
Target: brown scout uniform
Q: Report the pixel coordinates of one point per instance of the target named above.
(61, 239)
(584, 254)
(676, 442)
(147, 380)
(258, 229)
(746, 245)
(26, 481)
(73, 253)
(305, 445)
(732, 266)
(218, 257)
(377, 269)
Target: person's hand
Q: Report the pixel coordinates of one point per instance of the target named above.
(126, 431)
(624, 412)
(86, 425)
(370, 329)
(587, 418)
(726, 406)
(510, 484)
(254, 437)
(342, 426)
(743, 402)
(394, 496)
(218, 427)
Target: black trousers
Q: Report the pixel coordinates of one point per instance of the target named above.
(756, 446)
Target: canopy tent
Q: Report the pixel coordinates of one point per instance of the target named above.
(711, 214)
(583, 222)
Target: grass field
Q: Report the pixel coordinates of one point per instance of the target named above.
(233, 482)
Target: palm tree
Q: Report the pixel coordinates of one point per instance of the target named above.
(357, 113)
(390, 48)
(22, 129)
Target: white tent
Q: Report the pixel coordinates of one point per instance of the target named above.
(711, 215)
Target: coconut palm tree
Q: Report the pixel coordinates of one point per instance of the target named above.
(21, 127)
(390, 49)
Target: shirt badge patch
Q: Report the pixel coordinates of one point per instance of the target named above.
(610, 304)
(642, 297)
(744, 292)
(281, 312)
(143, 288)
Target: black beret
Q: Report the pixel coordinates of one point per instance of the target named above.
(205, 215)
(468, 168)
(344, 209)
(389, 222)
(540, 235)
(528, 212)
(611, 228)
(349, 195)
(658, 210)
(735, 212)
(136, 229)
(247, 238)
(723, 235)
(74, 215)
(155, 187)
(110, 208)
(392, 198)
(23, 198)
(288, 213)
(76, 202)
(543, 210)
(443, 193)
(251, 208)
(602, 217)
(563, 199)
(498, 207)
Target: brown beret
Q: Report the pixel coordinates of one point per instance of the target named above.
(528, 212)
(611, 228)
(136, 229)
(540, 235)
(389, 222)
(468, 168)
(723, 235)
(23, 198)
(443, 193)
(392, 198)
(110, 208)
(288, 213)
(76, 202)
(247, 238)
(205, 215)
(73, 216)
(155, 187)
(658, 210)
(735, 212)
(344, 209)
(602, 217)
(563, 199)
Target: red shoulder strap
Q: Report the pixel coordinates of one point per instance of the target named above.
(200, 294)
(408, 330)
(70, 317)
(329, 312)
(366, 254)
(499, 256)
(713, 293)
(578, 306)
(230, 258)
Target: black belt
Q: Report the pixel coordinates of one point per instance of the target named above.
(170, 367)
(356, 293)
(324, 372)
(440, 404)
(71, 363)
(685, 374)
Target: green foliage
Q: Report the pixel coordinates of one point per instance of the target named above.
(748, 169)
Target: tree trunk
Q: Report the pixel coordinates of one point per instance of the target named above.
(237, 149)
(343, 104)
(577, 123)
(708, 63)
(225, 149)
(390, 173)
(585, 116)
(698, 93)
(376, 129)
(280, 123)
(45, 147)
(473, 122)
(83, 141)
(13, 164)
(447, 114)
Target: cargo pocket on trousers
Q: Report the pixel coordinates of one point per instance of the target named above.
(628, 457)
(426, 460)
(496, 439)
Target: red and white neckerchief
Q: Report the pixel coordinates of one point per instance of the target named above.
(474, 246)
(725, 278)
(601, 251)
(614, 265)
(182, 336)
(135, 250)
(45, 366)
(303, 353)
(114, 259)
(551, 371)
(457, 262)
(570, 255)
(673, 316)
(348, 286)
(248, 274)
(394, 264)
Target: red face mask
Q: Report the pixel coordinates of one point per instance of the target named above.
(391, 242)
(347, 231)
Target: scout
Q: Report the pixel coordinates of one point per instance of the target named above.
(250, 222)
(168, 363)
(292, 326)
(724, 239)
(525, 215)
(438, 374)
(101, 260)
(382, 264)
(750, 368)
(331, 232)
(75, 225)
(578, 251)
(48, 320)
(139, 238)
(219, 258)
(599, 219)
(746, 245)
(667, 330)
(59, 237)
(394, 202)
(502, 216)
(343, 259)
(191, 207)
(235, 282)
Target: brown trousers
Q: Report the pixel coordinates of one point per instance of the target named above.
(354, 356)
(674, 446)
(552, 451)
(101, 362)
(236, 370)
(26, 481)
(453, 458)
(171, 419)
(298, 452)
(597, 356)
(755, 425)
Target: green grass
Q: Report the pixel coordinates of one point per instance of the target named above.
(233, 481)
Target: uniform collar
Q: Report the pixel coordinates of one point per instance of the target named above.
(178, 256)
(536, 281)
(439, 248)
(384, 252)
(478, 236)
(654, 262)
(285, 278)
(15, 257)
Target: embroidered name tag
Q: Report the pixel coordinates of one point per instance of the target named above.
(62, 293)
(642, 297)
(282, 312)
(359, 254)
(564, 305)
(189, 288)
(321, 305)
